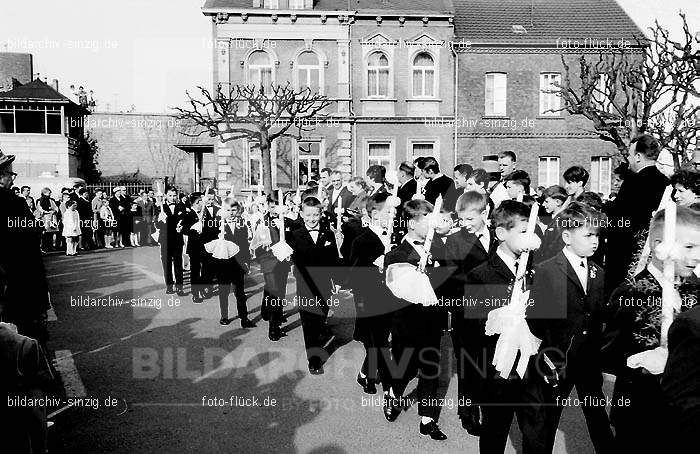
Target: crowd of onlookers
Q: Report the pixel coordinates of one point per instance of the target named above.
(80, 220)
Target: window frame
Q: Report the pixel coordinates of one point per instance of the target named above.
(556, 178)
(597, 177)
(549, 98)
(258, 67)
(379, 140)
(376, 69)
(423, 70)
(298, 159)
(298, 68)
(493, 101)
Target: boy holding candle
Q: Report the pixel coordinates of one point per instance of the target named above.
(469, 247)
(489, 287)
(568, 296)
(634, 326)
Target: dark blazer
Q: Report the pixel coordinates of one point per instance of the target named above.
(489, 286)
(314, 262)
(464, 253)
(436, 187)
(407, 191)
(681, 378)
(210, 225)
(238, 235)
(568, 319)
(350, 230)
(451, 196)
(195, 246)
(345, 195)
(167, 234)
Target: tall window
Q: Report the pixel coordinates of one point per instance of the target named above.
(496, 88)
(260, 70)
(548, 171)
(422, 149)
(255, 173)
(379, 153)
(424, 76)
(601, 94)
(309, 72)
(549, 101)
(309, 162)
(296, 4)
(601, 174)
(378, 75)
(271, 4)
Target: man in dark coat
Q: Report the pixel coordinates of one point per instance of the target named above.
(439, 183)
(26, 297)
(631, 211)
(171, 242)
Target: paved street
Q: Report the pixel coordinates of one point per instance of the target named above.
(163, 369)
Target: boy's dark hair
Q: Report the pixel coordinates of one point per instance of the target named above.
(556, 192)
(70, 203)
(432, 165)
(689, 179)
(171, 188)
(413, 209)
(507, 154)
(591, 199)
(311, 192)
(407, 168)
(576, 174)
(376, 201)
(471, 200)
(25, 187)
(312, 202)
(529, 201)
(508, 213)
(419, 162)
(272, 198)
(311, 184)
(194, 197)
(464, 169)
(82, 191)
(519, 177)
(578, 215)
(328, 170)
(376, 173)
(647, 145)
(481, 177)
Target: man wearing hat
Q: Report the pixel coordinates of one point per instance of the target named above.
(25, 300)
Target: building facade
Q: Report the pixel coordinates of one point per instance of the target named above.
(457, 80)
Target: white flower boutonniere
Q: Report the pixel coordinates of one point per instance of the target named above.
(592, 272)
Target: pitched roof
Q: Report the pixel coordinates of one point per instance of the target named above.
(490, 21)
(35, 90)
(435, 6)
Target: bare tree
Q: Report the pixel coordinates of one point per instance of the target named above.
(649, 88)
(254, 113)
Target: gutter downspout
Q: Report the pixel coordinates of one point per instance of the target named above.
(456, 103)
(353, 125)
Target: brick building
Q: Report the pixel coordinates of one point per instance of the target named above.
(459, 80)
(15, 65)
(514, 52)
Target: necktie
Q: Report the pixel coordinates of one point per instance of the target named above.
(583, 264)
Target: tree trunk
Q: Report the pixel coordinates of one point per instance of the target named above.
(266, 159)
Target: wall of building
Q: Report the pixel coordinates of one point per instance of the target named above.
(132, 143)
(38, 153)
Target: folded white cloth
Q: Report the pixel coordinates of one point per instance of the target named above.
(406, 282)
(652, 360)
(222, 249)
(281, 250)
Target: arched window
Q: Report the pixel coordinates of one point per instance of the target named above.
(423, 76)
(378, 75)
(309, 72)
(260, 70)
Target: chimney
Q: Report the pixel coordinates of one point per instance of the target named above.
(54, 84)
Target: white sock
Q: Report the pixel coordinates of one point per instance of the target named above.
(425, 419)
(362, 375)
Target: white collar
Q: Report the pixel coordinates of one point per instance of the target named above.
(574, 259)
(508, 260)
(377, 229)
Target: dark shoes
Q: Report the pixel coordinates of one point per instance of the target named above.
(275, 333)
(247, 323)
(197, 298)
(368, 385)
(180, 291)
(391, 408)
(225, 321)
(315, 367)
(432, 430)
(170, 290)
(471, 421)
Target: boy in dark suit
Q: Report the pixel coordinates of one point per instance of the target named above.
(568, 295)
(275, 272)
(373, 301)
(211, 224)
(469, 247)
(315, 256)
(232, 271)
(171, 241)
(192, 227)
(489, 285)
(416, 330)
